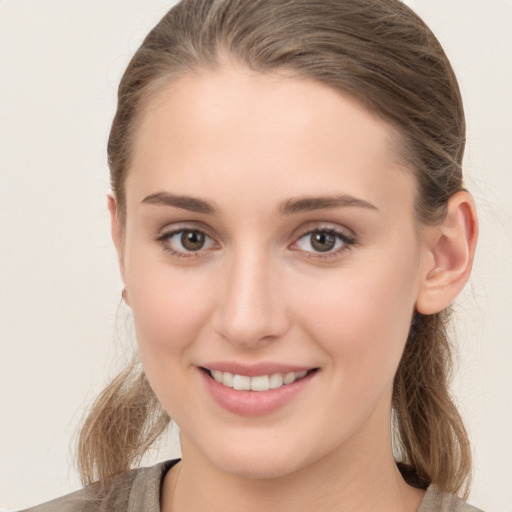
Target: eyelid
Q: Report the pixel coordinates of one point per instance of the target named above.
(191, 225)
(312, 227)
(168, 232)
(178, 225)
(346, 236)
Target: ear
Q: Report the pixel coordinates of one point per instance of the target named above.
(117, 233)
(450, 250)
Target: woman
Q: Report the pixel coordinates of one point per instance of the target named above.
(292, 227)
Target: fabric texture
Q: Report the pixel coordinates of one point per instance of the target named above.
(138, 490)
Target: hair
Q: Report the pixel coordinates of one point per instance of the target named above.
(383, 55)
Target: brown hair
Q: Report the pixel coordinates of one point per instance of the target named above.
(382, 54)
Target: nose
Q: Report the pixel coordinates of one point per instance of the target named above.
(251, 310)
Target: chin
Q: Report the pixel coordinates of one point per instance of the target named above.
(259, 469)
(258, 462)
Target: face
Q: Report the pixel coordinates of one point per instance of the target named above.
(272, 262)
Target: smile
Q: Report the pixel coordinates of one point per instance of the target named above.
(256, 383)
(255, 390)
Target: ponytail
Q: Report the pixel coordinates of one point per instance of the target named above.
(124, 421)
(430, 437)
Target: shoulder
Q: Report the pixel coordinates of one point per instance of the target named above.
(126, 489)
(436, 500)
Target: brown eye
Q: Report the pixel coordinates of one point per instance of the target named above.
(192, 240)
(327, 241)
(185, 242)
(322, 241)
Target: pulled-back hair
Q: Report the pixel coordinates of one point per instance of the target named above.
(383, 55)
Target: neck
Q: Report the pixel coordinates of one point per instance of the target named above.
(351, 481)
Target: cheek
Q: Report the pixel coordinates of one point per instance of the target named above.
(169, 307)
(169, 312)
(361, 319)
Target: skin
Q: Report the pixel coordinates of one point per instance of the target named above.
(259, 292)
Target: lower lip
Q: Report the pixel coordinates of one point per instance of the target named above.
(254, 403)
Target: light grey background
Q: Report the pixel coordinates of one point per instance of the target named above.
(60, 62)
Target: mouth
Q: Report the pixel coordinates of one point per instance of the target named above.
(258, 382)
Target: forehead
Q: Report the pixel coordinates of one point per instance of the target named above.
(242, 129)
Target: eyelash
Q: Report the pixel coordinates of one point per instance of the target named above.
(347, 241)
(344, 238)
(164, 238)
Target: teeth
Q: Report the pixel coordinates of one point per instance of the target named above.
(241, 382)
(227, 379)
(276, 381)
(259, 383)
(289, 378)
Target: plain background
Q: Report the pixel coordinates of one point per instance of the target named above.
(62, 330)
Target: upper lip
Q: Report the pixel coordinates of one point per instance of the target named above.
(254, 370)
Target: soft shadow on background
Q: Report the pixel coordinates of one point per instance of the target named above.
(60, 62)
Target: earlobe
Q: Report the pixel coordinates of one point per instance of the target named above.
(451, 249)
(116, 232)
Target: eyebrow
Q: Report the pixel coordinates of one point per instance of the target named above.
(289, 207)
(192, 204)
(307, 204)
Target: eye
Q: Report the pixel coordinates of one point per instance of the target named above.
(183, 242)
(324, 241)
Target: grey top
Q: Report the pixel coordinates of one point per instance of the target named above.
(138, 490)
